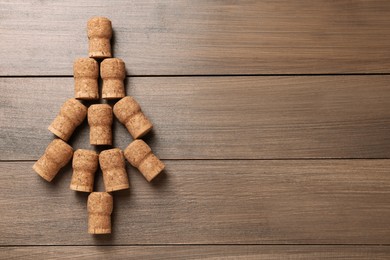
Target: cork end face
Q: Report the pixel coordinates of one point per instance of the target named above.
(100, 141)
(113, 95)
(85, 96)
(58, 133)
(99, 231)
(100, 54)
(81, 188)
(41, 172)
(117, 187)
(82, 95)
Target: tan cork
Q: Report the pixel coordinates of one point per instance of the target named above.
(100, 121)
(112, 163)
(139, 154)
(99, 35)
(86, 74)
(57, 155)
(85, 164)
(100, 205)
(113, 73)
(71, 115)
(129, 113)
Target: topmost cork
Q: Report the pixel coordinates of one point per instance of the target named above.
(99, 35)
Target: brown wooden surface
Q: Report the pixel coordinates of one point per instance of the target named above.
(219, 117)
(201, 252)
(276, 163)
(209, 202)
(201, 37)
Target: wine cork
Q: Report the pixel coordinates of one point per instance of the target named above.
(86, 73)
(57, 155)
(113, 73)
(100, 121)
(129, 113)
(139, 154)
(71, 115)
(85, 164)
(112, 163)
(100, 205)
(99, 35)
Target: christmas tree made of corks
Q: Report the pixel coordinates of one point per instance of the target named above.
(100, 118)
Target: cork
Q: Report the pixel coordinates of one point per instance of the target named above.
(86, 73)
(100, 205)
(129, 113)
(100, 121)
(57, 155)
(112, 163)
(99, 35)
(113, 73)
(85, 164)
(71, 115)
(139, 154)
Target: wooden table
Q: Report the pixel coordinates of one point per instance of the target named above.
(272, 117)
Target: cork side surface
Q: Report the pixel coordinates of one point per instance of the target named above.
(151, 167)
(99, 34)
(138, 125)
(57, 155)
(100, 206)
(136, 151)
(125, 108)
(100, 120)
(112, 163)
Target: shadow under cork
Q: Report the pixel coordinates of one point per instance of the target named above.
(113, 43)
(126, 82)
(100, 84)
(64, 174)
(150, 138)
(160, 180)
(80, 136)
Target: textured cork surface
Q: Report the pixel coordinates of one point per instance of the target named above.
(85, 163)
(57, 155)
(139, 154)
(71, 115)
(113, 73)
(100, 206)
(100, 122)
(284, 155)
(99, 35)
(112, 163)
(129, 113)
(86, 73)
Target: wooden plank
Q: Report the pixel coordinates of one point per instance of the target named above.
(201, 37)
(199, 252)
(219, 117)
(208, 202)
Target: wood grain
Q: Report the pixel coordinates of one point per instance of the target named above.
(219, 117)
(201, 37)
(199, 252)
(208, 202)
